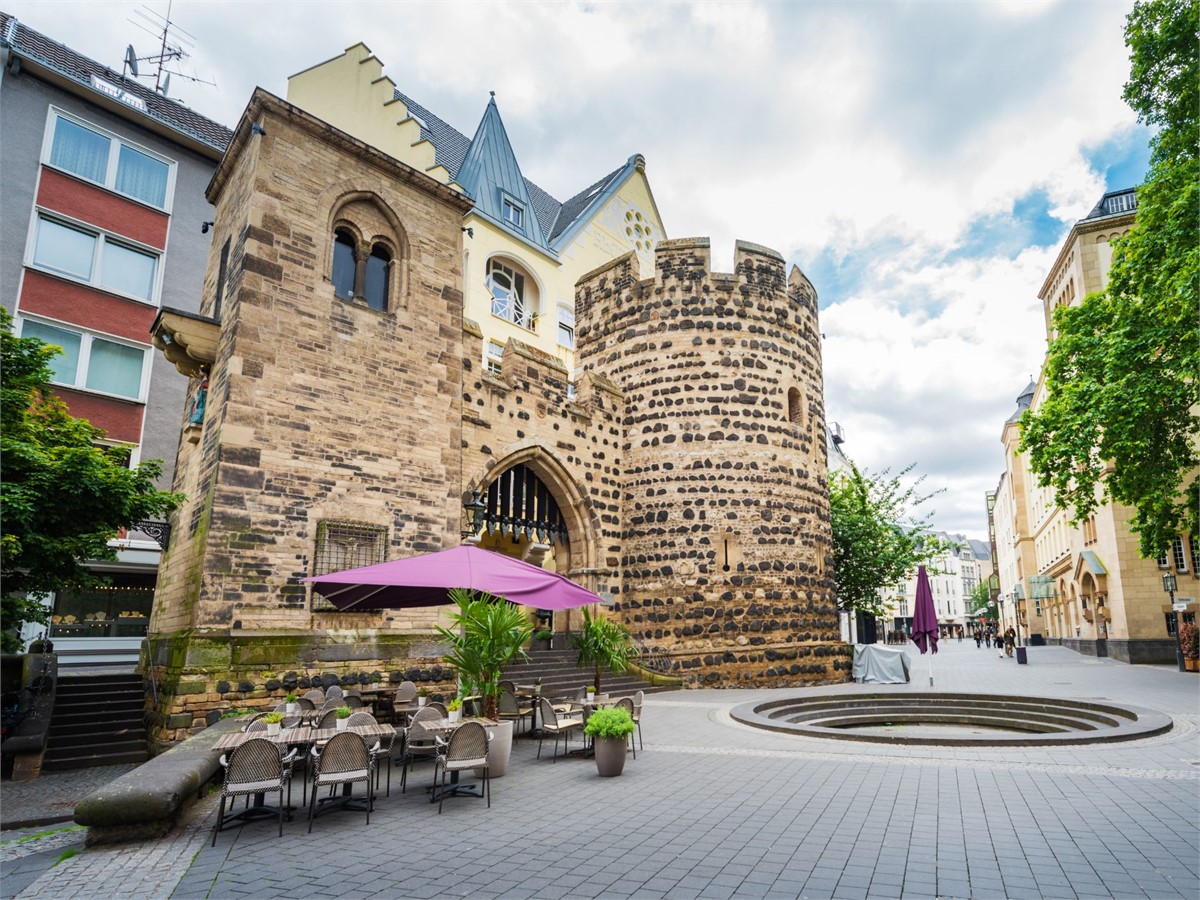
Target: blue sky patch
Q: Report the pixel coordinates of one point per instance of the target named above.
(1124, 158)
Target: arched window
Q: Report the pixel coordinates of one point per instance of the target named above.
(343, 264)
(512, 299)
(378, 266)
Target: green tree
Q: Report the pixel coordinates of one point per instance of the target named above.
(877, 542)
(979, 598)
(603, 644)
(63, 497)
(1118, 421)
(488, 634)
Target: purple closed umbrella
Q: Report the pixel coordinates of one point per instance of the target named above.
(925, 623)
(427, 580)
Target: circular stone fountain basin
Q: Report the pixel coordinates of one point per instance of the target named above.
(987, 720)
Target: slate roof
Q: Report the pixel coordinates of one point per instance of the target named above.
(1114, 203)
(451, 147)
(25, 43)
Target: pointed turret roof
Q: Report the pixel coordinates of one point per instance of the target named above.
(492, 178)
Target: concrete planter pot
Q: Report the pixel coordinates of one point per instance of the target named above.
(499, 749)
(610, 756)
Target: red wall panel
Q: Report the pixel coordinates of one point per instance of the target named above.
(99, 207)
(121, 420)
(69, 302)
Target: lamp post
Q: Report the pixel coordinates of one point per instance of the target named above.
(1169, 585)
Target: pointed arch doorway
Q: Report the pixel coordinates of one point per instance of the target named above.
(534, 512)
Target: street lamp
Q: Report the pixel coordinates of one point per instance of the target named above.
(1169, 585)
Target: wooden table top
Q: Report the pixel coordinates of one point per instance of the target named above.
(447, 725)
(302, 734)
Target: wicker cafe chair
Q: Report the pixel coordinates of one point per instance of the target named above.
(328, 719)
(382, 749)
(438, 707)
(553, 724)
(316, 695)
(254, 718)
(354, 701)
(255, 767)
(638, 699)
(466, 749)
(626, 703)
(334, 693)
(386, 707)
(345, 760)
(306, 704)
(418, 744)
(511, 708)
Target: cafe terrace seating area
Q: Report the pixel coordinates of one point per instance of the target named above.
(337, 761)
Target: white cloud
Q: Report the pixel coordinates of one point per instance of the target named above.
(879, 135)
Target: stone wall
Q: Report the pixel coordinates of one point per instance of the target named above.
(724, 496)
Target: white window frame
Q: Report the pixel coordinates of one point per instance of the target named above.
(87, 336)
(103, 238)
(509, 205)
(114, 157)
(518, 311)
(492, 358)
(566, 320)
(1179, 555)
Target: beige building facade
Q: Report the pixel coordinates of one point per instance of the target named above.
(1082, 586)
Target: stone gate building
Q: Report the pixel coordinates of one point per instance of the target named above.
(679, 471)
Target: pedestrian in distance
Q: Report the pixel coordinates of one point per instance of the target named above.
(987, 638)
(999, 646)
(1010, 641)
(978, 638)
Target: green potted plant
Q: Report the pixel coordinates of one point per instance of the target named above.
(609, 730)
(488, 633)
(422, 696)
(273, 720)
(541, 639)
(603, 644)
(293, 703)
(454, 709)
(1189, 640)
(343, 717)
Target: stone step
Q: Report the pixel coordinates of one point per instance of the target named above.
(134, 752)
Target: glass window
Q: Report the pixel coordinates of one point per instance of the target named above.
(566, 327)
(507, 288)
(106, 160)
(80, 151)
(513, 214)
(128, 271)
(118, 609)
(65, 365)
(493, 354)
(1180, 555)
(62, 249)
(377, 277)
(115, 368)
(343, 265)
(142, 176)
(90, 361)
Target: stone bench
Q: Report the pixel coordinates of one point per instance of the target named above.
(149, 801)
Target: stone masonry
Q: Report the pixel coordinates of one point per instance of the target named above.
(725, 501)
(688, 465)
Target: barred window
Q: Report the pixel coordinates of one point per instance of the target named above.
(346, 545)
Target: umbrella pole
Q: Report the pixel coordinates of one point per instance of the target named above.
(931, 667)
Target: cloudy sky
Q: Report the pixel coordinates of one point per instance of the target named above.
(920, 161)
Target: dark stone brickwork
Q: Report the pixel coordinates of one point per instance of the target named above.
(725, 504)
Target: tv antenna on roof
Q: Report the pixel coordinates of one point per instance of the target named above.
(174, 45)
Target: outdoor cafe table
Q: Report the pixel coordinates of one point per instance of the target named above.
(445, 726)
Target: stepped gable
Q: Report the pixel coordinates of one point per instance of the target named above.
(725, 518)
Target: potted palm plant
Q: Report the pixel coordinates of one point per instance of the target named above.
(609, 729)
(454, 709)
(422, 696)
(273, 719)
(343, 717)
(293, 703)
(603, 644)
(488, 633)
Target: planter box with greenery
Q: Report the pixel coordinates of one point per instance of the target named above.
(273, 720)
(541, 639)
(610, 730)
(343, 717)
(1189, 641)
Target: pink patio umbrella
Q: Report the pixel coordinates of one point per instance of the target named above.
(427, 580)
(925, 623)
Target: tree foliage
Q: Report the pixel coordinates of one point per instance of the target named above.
(876, 540)
(979, 598)
(63, 496)
(603, 644)
(488, 634)
(1119, 417)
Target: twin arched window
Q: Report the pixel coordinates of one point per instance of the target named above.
(359, 273)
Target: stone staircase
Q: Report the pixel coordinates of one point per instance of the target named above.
(97, 721)
(561, 677)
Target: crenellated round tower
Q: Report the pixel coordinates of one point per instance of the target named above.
(725, 505)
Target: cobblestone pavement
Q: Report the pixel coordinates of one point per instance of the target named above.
(714, 809)
(52, 797)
